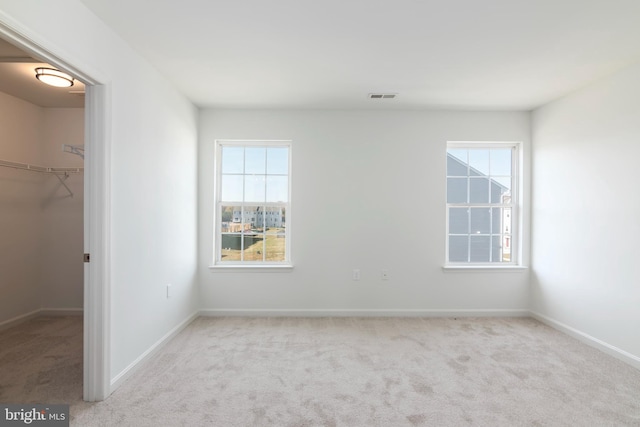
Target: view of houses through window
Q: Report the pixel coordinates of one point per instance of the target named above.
(253, 233)
(480, 203)
(253, 201)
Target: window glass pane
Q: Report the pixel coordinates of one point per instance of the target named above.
(284, 217)
(506, 247)
(457, 190)
(480, 220)
(503, 181)
(496, 220)
(226, 218)
(501, 162)
(237, 216)
(479, 248)
(231, 247)
(277, 189)
(231, 187)
(253, 247)
(254, 190)
(479, 190)
(275, 247)
(507, 221)
(458, 221)
(458, 249)
(257, 219)
(273, 217)
(278, 160)
(254, 218)
(460, 154)
(255, 159)
(498, 191)
(232, 159)
(496, 249)
(457, 163)
(479, 161)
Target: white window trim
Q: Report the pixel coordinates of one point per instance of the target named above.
(255, 266)
(516, 263)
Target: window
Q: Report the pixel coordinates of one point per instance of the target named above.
(482, 203)
(252, 203)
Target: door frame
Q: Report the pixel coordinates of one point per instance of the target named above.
(97, 209)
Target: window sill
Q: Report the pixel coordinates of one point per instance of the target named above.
(488, 268)
(252, 268)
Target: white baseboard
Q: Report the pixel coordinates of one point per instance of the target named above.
(15, 321)
(129, 370)
(589, 340)
(363, 313)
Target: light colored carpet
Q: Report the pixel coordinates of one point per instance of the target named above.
(41, 361)
(372, 372)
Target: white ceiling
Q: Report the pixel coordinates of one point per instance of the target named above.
(466, 54)
(17, 78)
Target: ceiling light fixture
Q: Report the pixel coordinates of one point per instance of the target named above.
(54, 77)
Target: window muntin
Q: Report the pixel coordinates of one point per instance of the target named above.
(481, 203)
(252, 203)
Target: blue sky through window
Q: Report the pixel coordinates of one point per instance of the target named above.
(255, 174)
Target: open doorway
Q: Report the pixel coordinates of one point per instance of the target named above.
(95, 215)
(41, 223)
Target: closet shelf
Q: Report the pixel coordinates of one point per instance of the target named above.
(41, 169)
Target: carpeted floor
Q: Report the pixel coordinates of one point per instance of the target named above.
(41, 361)
(353, 372)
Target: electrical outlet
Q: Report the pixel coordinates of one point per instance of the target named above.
(384, 275)
(169, 290)
(356, 274)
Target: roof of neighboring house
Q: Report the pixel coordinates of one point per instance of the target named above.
(474, 171)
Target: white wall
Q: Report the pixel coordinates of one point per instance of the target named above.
(355, 176)
(21, 126)
(153, 135)
(586, 211)
(62, 268)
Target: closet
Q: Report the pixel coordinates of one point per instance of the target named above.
(41, 209)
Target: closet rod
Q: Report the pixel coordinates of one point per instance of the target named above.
(41, 169)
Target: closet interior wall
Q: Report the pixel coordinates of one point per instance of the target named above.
(41, 225)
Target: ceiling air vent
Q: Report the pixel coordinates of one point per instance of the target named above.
(382, 95)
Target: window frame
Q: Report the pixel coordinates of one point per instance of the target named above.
(515, 261)
(217, 262)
